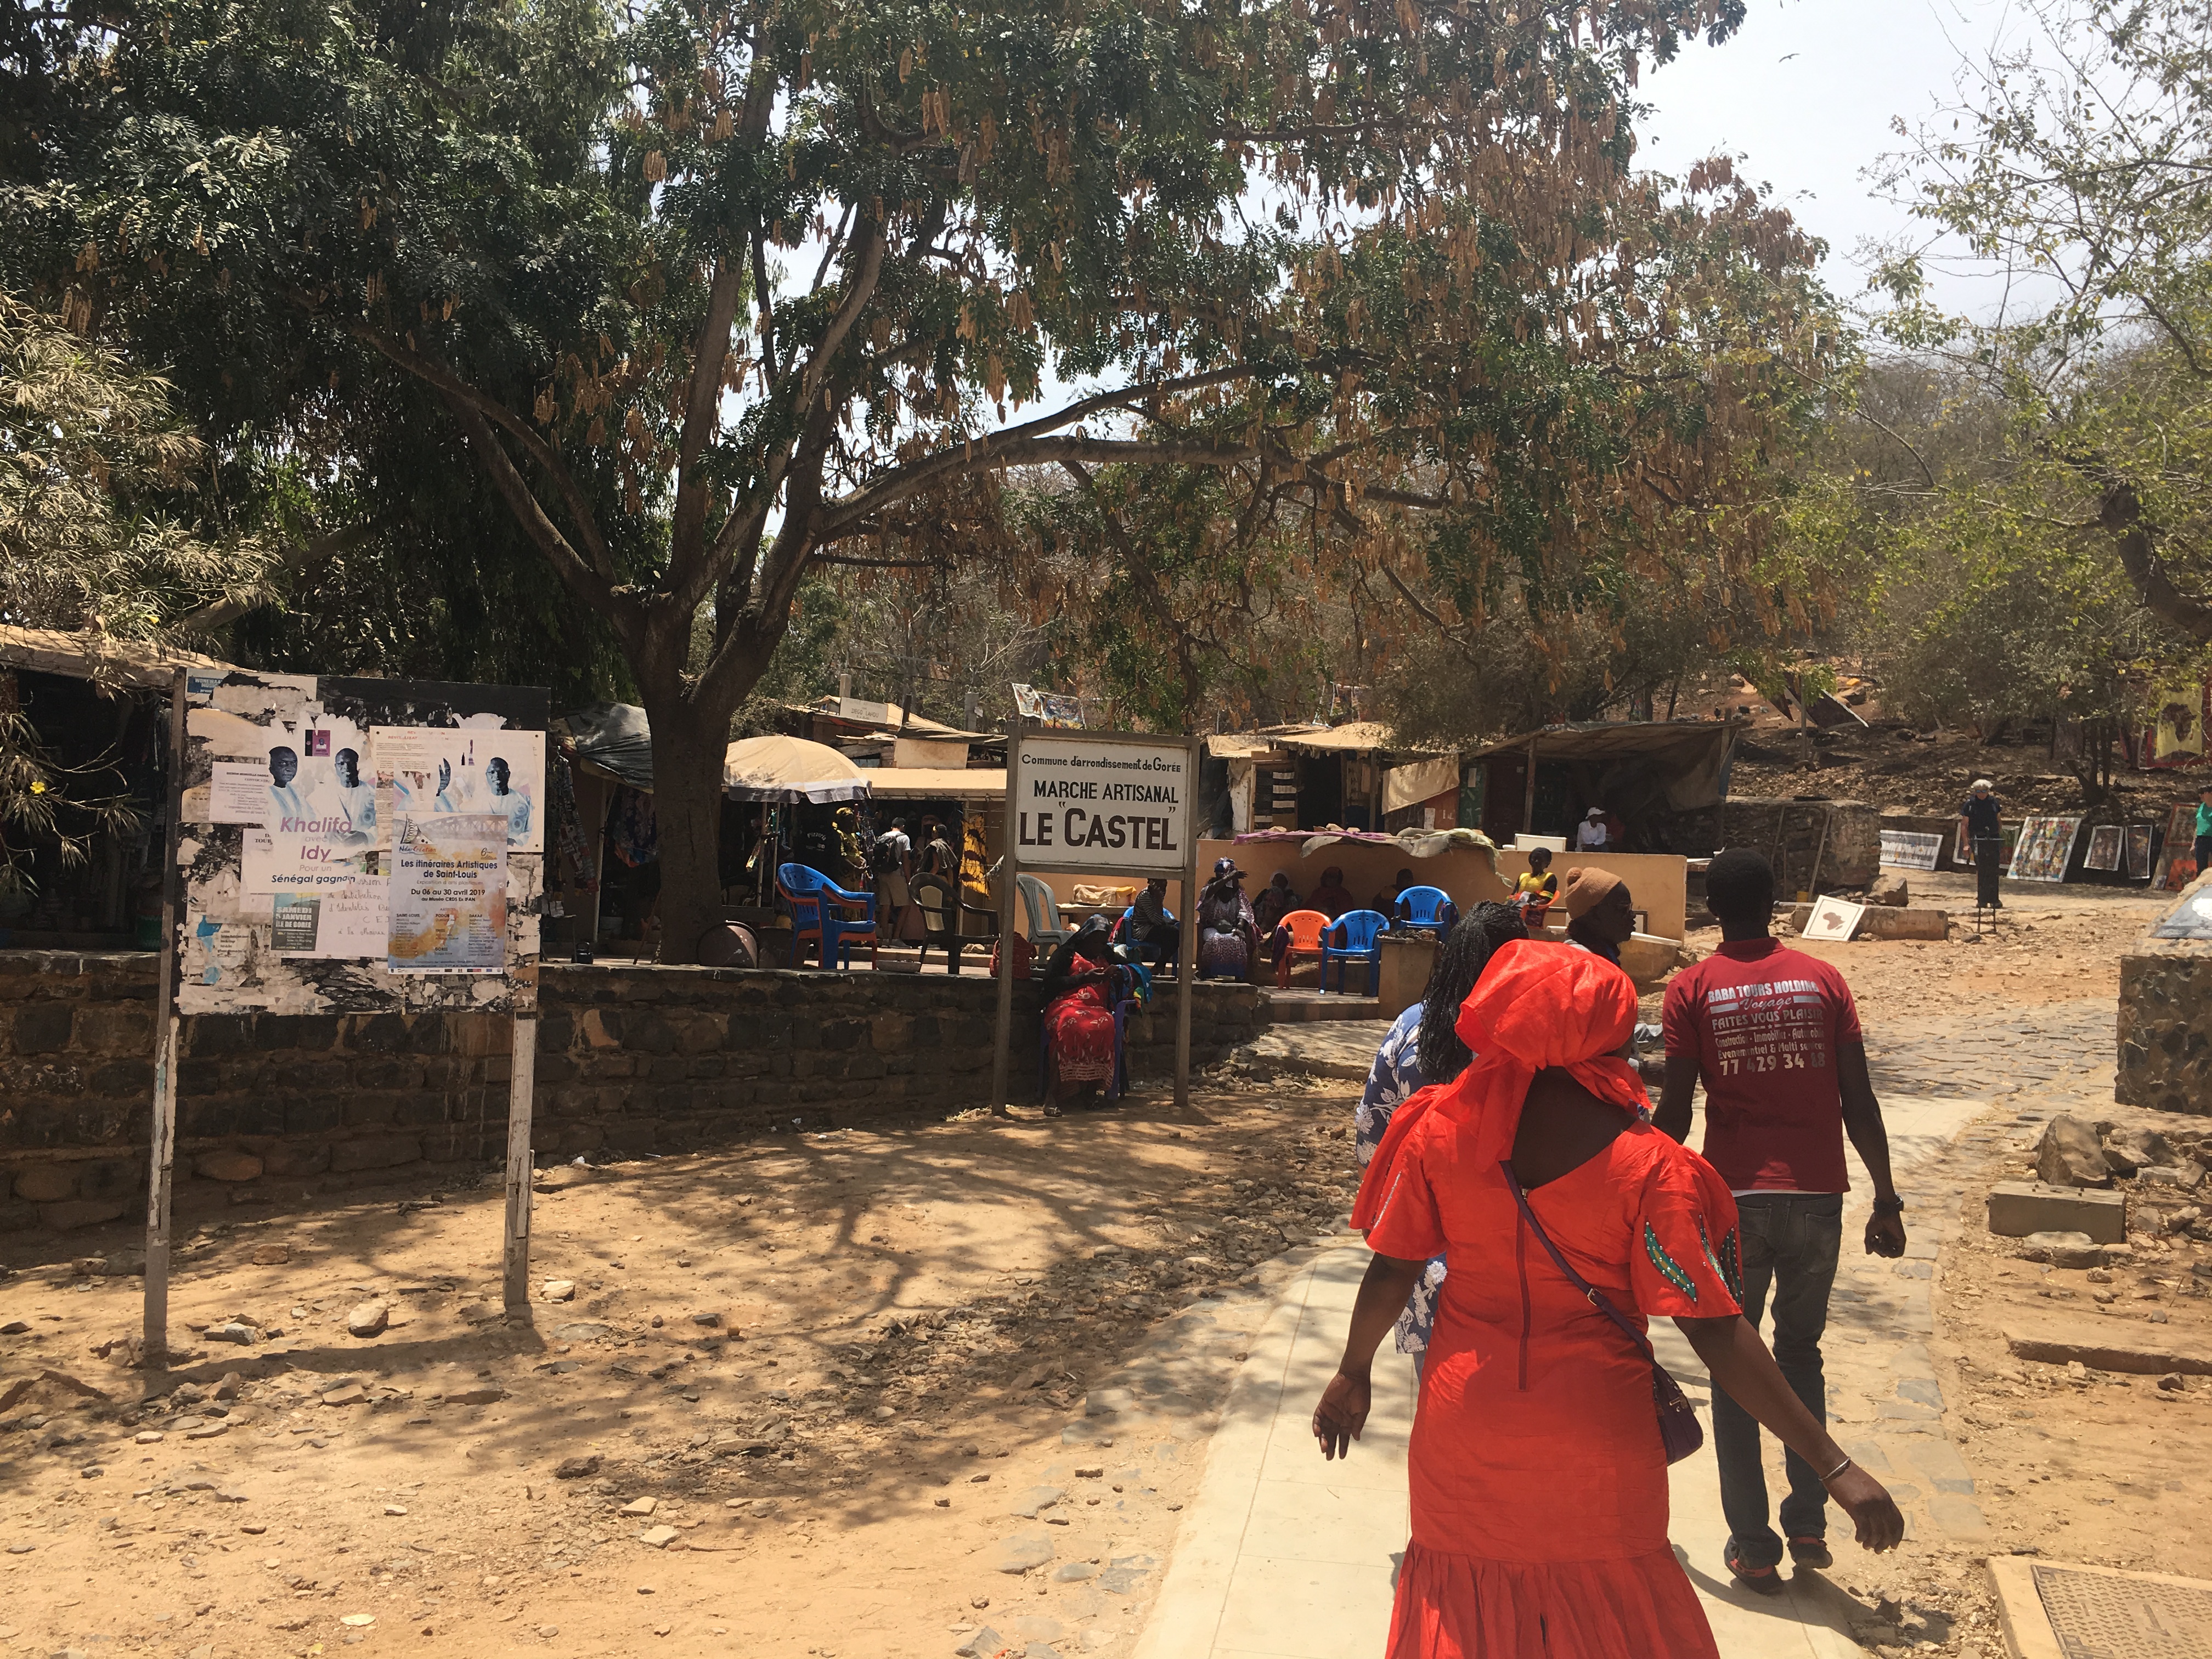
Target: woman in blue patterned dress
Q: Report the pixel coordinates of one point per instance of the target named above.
(1419, 1051)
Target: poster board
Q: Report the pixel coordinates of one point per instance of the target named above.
(2045, 848)
(2139, 857)
(1911, 849)
(2107, 846)
(341, 846)
(2175, 736)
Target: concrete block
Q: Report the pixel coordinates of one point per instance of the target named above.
(2018, 1208)
(1881, 922)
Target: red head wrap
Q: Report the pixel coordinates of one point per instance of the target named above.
(1537, 1005)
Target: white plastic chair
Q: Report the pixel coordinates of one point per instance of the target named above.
(1045, 932)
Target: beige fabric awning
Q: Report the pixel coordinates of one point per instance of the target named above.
(937, 783)
(1407, 785)
(779, 768)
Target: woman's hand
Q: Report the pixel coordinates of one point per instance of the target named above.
(1873, 1511)
(1343, 1413)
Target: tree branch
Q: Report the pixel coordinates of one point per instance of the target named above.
(2120, 512)
(701, 414)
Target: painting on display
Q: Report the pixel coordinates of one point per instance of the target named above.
(2181, 848)
(1834, 919)
(1910, 849)
(2107, 842)
(2139, 850)
(2045, 848)
(2176, 737)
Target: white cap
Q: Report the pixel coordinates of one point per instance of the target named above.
(1984, 783)
(1594, 812)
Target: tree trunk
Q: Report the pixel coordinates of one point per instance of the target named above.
(2120, 512)
(687, 745)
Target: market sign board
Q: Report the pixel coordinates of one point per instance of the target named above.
(1117, 806)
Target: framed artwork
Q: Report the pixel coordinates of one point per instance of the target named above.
(2045, 848)
(2107, 843)
(2181, 847)
(2139, 851)
(1834, 919)
(1910, 849)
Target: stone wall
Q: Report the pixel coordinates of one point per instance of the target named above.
(630, 1060)
(1789, 832)
(2166, 1018)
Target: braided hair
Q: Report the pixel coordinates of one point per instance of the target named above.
(1466, 953)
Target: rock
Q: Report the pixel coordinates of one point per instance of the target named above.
(577, 1469)
(1888, 889)
(244, 1335)
(2062, 1250)
(1022, 1551)
(2171, 1382)
(476, 1313)
(395, 1508)
(1073, 1572)
(207, 1432)
(46, 1183)
(984, 1643)
(763, 1508)
(476, 1397)
(271, 1256)
(2071, 1155)
(228, 1164)
(1107, 1403)
(1028, 1504)
(1090, 1472)
(150, 1438)
(2185, 1177)
(584, 1331)
(15, 1328)
(228, 1386)
(640, 1506)
(350, 1394)
(82, 1213)
(358, 1620)
(710, 1320)
(558, 1290)
(368, 1319)
(658, 1538)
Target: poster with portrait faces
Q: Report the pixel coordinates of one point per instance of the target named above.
(434, 771)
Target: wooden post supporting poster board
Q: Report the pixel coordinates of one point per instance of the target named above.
(350, 845)
(1106, 804)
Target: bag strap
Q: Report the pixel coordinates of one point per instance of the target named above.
(1598, 1298)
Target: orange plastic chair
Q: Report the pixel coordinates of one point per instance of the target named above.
(1304, 929)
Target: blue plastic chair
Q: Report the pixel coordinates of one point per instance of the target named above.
(1149, 953)
(1361, 931)
(1426, 907)
(818, 907)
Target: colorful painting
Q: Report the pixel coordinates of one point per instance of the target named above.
(2045, 848)
(2106, 842)
(2181, 848)
(2139, 854)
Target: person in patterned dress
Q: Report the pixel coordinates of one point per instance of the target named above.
(1422, 1047)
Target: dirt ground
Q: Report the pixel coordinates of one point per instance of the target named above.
(831, 1363)
(834, 1363)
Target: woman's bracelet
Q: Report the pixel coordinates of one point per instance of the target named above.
(1835, 1470)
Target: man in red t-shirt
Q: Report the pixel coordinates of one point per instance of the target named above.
(1775, 1036)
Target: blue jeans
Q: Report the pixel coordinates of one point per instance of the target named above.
(1790, 1244)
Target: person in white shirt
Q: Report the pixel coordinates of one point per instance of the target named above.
(286, 799)
(1590, 834)
(357, 799)
(507, 802)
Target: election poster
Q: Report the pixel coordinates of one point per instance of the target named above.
(447, 903)
(432, 771)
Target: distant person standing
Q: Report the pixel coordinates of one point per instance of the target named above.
(1775, 1035)
(1590, 834)
(891, 861)
(1979, 828)
(2204, 829)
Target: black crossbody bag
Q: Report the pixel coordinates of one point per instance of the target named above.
(1679, 1429)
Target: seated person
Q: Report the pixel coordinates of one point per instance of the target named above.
(1332, 898)
(1275, 902)
(1151, 925)
(1387, 900)
(1534, 891)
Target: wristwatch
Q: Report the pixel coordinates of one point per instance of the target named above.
(1889, 1206)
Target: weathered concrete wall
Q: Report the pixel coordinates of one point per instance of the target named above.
(630, 1060)
(1789, 832)
(2165, 1020)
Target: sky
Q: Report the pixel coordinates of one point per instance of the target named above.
(1805, 93)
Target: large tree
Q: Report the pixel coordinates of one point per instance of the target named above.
(717, 291)
(2081, 164)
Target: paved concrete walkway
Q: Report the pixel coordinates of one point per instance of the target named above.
(1285, 1556)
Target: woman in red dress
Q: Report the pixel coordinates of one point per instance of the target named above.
(1078, 1009)
(1539, 1478)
